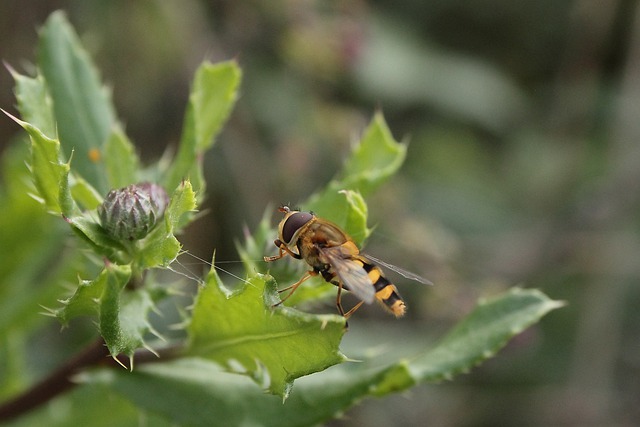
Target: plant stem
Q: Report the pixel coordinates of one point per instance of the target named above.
(61, 380)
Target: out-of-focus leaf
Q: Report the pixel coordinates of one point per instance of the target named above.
(476, 338)
(83, 110)
(121, 160)
(84, 194)
(199, 393)
(398, 68)
(93, 406)
(213, 94)
(34, 103)
(244, 332)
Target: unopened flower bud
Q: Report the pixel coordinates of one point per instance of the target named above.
(129, 213)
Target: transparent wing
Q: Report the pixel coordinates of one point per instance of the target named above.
(401, 271)
(351, 272)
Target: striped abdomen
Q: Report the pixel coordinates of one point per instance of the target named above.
(386, 292)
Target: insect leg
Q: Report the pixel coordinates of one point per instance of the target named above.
(293, 287)
(355, 307)
(282, 250)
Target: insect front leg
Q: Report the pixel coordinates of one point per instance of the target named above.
(282, 249)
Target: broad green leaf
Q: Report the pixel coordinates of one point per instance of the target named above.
(121, 160)
(213, 94)
(34, 103)
(244, 332)
(197, 393)
(50, 174)
(83, 110)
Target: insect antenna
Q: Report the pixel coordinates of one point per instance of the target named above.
(216, 266)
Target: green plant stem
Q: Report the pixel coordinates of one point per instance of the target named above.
(61, 380)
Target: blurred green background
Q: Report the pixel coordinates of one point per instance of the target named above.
(523, 124)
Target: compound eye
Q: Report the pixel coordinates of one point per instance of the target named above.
(293, 224)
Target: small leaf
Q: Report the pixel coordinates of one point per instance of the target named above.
(91, 232)
(242, 331)
(374, 160)
(83, 193)
(123, 319)
(87, 298)
(50, 174)
(183, 202)
(83, 110)
(213, 94)
(160, 247)
(34, 103)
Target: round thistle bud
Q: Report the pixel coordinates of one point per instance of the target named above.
(129, 213)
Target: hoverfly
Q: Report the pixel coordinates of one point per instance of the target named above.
(332, 254)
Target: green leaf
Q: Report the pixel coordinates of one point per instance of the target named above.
(183, 202)
(244, 332)
(123, 319)
(122, 314)
(197, 393)
(160, 247)
(88, 296)
(374, 160)
(476, 338)
(92, 233)
(213, 95)
(83, 110)
(481, 334)
(121, 161)
(34, 103)
(84, 194)
(50, 174)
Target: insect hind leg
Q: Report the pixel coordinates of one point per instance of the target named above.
(292, 288)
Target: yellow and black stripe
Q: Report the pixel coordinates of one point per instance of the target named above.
(386, 292)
